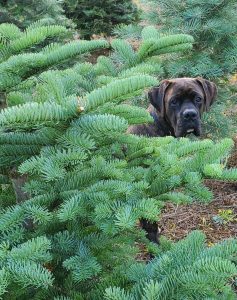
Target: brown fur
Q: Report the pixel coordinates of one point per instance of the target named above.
(145, 129)
(164, 122)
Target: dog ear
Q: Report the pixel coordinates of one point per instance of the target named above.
(210, 91)
(156, 96)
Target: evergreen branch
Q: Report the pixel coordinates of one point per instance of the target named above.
(4, 281)
(124, 52)
(222, 150)
(153, 47)
(175, 197)
(43, 136)
(9, 32)
(40, 215)
(33, 114)
(19, 150)
(20, 67)
(142, 68)
(118, 90)
(13, 236)
(58, 54)
(116, 293)
(71, 208)
(36, 250)
(44, 199)
(134, 115)
(190, 148)
(30, 274)
(105, 66)
(87, 176)
(72, 139)
(83, 266)
(11, 218)
(31, 37)
(101, 126)
(225, 249)
(150, 32)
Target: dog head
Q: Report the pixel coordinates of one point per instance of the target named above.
(181, 102)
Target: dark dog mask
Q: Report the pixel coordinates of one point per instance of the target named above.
(180, 102)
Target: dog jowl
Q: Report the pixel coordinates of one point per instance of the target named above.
(180, 102)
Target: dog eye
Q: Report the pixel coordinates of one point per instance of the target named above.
(173, 101)
(198, 99)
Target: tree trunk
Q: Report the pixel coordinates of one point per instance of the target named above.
(18, 182)
(3, 101)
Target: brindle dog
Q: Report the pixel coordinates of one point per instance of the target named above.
(177, 106)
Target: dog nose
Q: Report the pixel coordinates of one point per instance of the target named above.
(190, 114)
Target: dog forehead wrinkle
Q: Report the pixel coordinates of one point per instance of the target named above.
(184, 85)
(187, 90)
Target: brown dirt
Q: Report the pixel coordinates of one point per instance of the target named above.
(177, 221)
(92, 58)
(143, 255)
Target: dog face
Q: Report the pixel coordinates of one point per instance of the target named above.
(181, 102)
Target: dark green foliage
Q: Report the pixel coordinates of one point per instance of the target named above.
(99, 17)
(25, 12)
(221, 121)
(213, 24)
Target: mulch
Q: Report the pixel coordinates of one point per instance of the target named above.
(178, 220)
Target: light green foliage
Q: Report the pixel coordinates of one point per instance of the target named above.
(224, 216)
(173, 43)
(24, 263)
(103, 180)
(17, 66)
(189, 270)
(123, 110)
(33, 114)
(18, 41)
(213, 26)
(117, 91)
(127, 31)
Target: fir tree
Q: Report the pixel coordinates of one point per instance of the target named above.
(24, 13)
(19, 60)
(213, 24)
(218, 122)
(189, 270)
(95, 17)
(88, 182)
